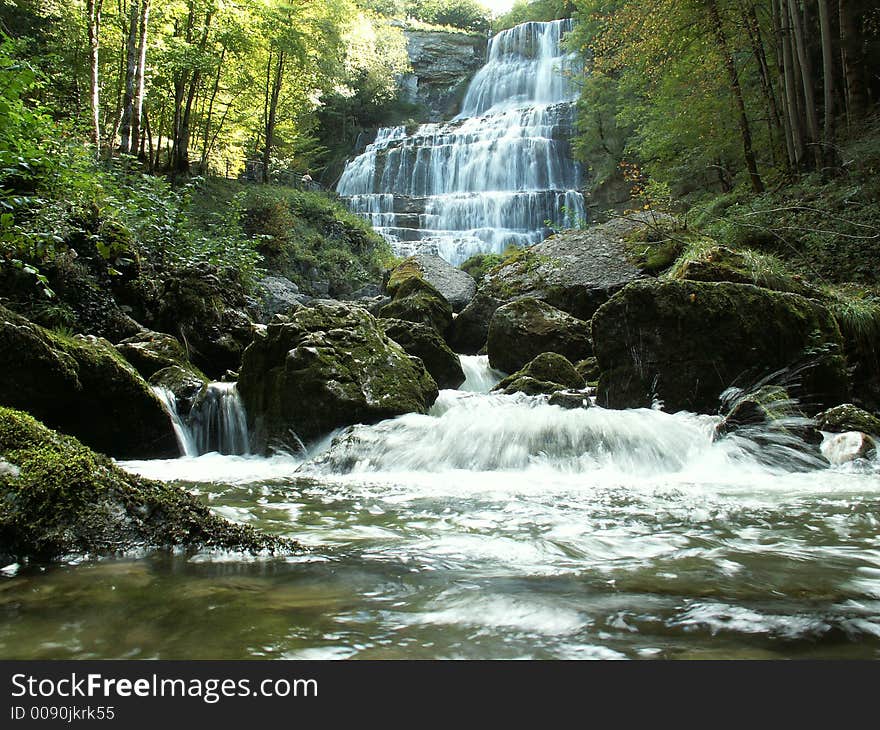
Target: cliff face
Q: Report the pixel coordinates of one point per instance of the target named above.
(443, 64)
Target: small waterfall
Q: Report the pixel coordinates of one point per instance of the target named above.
(185, 441)
(480, 377)
(494, 175)
(216, 423)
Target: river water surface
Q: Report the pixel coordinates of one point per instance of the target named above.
(495, 527)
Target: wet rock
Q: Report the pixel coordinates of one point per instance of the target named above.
(330, 365)
(522, 330)
(423, 342)
(545, 375)
(575, 271)
(841, 448)
(570, 399)
(415, 300)
(588, 369)
(687, 342)
(68, 500)
(848, 417)
(186, 383)
(81, 386)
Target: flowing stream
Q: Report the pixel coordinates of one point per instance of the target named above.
(494, 527)
(492, 177)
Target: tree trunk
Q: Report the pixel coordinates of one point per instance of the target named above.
(853, 66)
(130, 72)
(140, 78)
(736, 90)
(807, 80)
(780, 46)
(93, 10)
(827, 83)
(272, 112)
(210, 112)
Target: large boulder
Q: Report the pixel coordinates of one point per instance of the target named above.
(522, 330)
(686, 342)
(81, 386)
(186, 384)
(277, 295)
(424, 343)
(456, 286)
(58, 498)
(327, 366)
(548, 373)
(575, 271)
(415, 300)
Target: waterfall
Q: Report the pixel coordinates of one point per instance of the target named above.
(479, 376)
(493, 176)
(216, 423)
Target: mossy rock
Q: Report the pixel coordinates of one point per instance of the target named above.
(424, 343)
(415, 300)
(83, 387)
(327, 366)
(150, 351)
(546, 374)
(687, 342)
(588, 369)
(847, 417)
(186, 383)
(406, 270)
(64, 499)
(525, 328)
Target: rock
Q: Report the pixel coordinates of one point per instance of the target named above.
(546, 374)
(150, 351)
(575, 271)
(456, 286)
(588, 369)
(841, 448)
(83, 387)
(848, 417)
(570, 399)
(68, 500)
(523, 329)
(415, 300)
(186, 383)
(372, 304)
(330, 365)
(367, 291)
(687, 342)
(442, 63)
(10, 471)
(277, 295)
(424, 343)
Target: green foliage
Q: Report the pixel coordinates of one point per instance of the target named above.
(480, 264)
(464, 14)
(311, 236)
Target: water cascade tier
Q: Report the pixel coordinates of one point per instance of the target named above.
(217, 421)
(492, 177)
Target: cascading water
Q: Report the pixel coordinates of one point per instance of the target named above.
(216, 423)
(494, 175)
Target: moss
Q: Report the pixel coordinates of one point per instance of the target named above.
(415, 300)
(547, 373)
(480, 264)
(69, 500)
(407, 269)
(847, 417)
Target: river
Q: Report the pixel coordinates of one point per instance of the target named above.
(495, 527)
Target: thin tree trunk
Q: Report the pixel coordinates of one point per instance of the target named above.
(780, 46)
(140, 78)
(745, 131)
(807, 80)
(148, 152)
(211, 107)
(273, 110)
(853, 67)
(827, 83)
(130, 72)
(93, 10)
